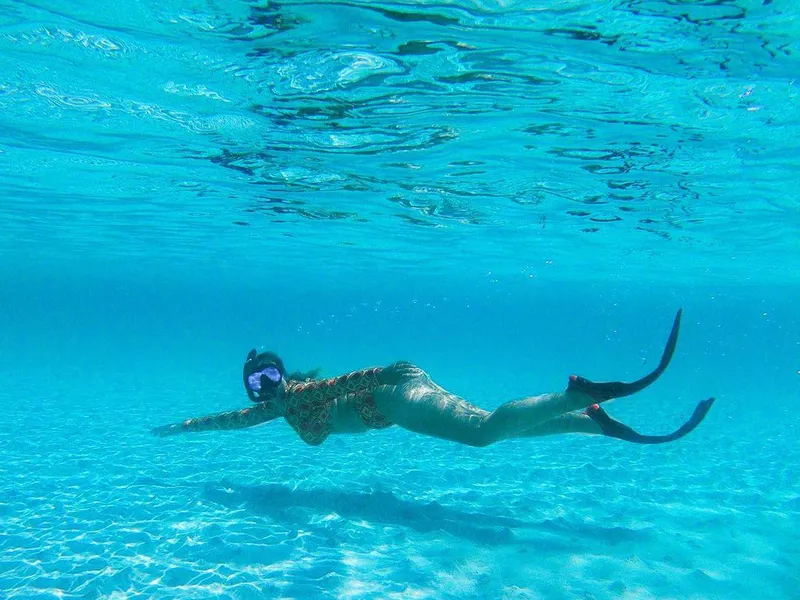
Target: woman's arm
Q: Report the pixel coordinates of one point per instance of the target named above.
(234, 419)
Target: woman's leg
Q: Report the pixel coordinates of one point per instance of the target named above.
(415, 403)
(429, 410)
(421, 406)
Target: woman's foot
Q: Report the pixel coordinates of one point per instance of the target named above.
(603, 391)
(612, 428)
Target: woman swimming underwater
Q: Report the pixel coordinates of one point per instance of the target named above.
(404, 395)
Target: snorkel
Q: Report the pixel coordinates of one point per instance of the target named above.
(262, 375)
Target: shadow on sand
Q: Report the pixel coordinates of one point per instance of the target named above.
(280, 502)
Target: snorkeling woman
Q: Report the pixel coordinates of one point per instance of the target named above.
(404, 395)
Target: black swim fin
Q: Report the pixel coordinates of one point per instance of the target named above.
(615, 429)
(617, 389)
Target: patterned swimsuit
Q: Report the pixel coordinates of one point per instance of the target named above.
(309, 407)
(309, 403)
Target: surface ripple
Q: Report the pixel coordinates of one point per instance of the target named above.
(613, 136)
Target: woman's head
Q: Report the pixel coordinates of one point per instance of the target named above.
(264, 376)
(266, 380)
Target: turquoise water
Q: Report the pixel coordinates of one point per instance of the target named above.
(504, 193)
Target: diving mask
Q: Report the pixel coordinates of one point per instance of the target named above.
(262, 374)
